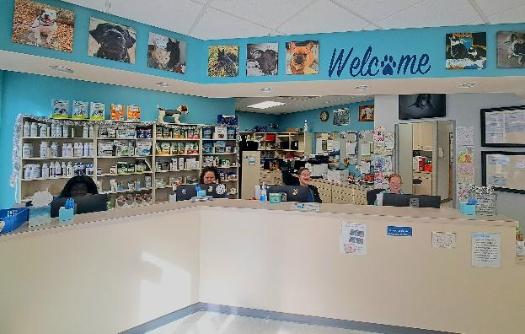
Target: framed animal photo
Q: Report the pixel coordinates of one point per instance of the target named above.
(366, 113)
(302, 57)
(223, 61)
(111, 41)
(262, 59)
(42, 25)
(511, 49)
(166, 53)
(466, 51)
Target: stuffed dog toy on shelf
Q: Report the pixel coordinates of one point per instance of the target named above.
(114, 40)
(174, 113)
(302, 58)
(45, 25)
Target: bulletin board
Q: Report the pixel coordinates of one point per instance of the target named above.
(503, 127)
(505, 171)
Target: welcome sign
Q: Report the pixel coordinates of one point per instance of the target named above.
(370, 64)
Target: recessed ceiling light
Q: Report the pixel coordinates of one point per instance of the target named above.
(265, 105)
(162, 84)
(266, 89)
(61, 68)
(468, 85)
(361, 87)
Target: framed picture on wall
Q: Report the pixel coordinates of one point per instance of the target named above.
(342, 116)
(503, 127)
(511, 49)
(112, 41)
(366, 113)
(166, 53)
(223, 61)
(42, 25)
(505, 171)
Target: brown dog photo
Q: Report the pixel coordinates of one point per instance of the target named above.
(302, 57)
(42, 25)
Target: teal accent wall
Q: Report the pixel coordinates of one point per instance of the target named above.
(383, 43)
(248, 120)
(32, 94)
(296, 120)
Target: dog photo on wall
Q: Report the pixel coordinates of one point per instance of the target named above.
(262, 59)
(466, 51)
(42, 25)
(302, 57)
(111, 41)
(223, 61)
(511, 49)
(166, 53)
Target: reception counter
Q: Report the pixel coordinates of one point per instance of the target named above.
(114, 270)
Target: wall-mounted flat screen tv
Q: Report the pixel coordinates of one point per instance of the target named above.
(422, 106)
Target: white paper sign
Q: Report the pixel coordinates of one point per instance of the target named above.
(465, 136)
(444, 240)
(486, 249)
(353, 238)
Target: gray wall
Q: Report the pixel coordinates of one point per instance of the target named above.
(465, 110)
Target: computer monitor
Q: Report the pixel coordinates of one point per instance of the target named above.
(421, 201)
(84, 204)
(293, 193)
(214, 190)
(185, 192)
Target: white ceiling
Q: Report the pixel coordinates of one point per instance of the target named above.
(217, 19)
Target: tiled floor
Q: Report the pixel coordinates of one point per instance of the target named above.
(218, 323)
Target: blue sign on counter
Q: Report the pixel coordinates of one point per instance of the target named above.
(399, 231)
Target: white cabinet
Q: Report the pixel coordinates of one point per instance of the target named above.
(423, 136)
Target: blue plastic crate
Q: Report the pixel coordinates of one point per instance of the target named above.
(12, 219)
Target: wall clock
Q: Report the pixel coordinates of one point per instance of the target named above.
(324, 116)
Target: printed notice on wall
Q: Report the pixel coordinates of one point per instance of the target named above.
(353, 238)
(443, 240)
(465, 136)
(486, 249)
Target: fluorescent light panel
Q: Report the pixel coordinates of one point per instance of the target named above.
(265, 105)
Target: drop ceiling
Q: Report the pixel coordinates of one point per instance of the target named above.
(217, 19)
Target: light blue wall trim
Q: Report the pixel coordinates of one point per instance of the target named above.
(395, 42)
(32, 95)
(296, 120)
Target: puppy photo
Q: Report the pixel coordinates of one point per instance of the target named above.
(262, 59)
(111, 41)
(466, 51)
(165, 53)
(511, 49)
(302, 57)
(39, 24)
(223, 61)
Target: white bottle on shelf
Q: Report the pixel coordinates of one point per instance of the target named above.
(63, 167)
(58, 131)
(45, 171)
(44, 150)
(65, 130)
(77, 150)
(85, 131)
(70, 170)
(34, 130)
(35, 171)
(27, 172)
(53, 151)
(91, 131)
(85, 150)
(42, 130)
(27, 129)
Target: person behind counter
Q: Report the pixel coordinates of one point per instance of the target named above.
(304, 181)
(85, 194)
(394, 187)
(210, 175)
(79, 186)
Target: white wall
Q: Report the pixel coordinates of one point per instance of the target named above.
(465, 110)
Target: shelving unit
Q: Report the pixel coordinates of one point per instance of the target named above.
(125, 160)
(283, 145)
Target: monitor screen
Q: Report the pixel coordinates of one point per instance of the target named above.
(84, 204)
(185, 192)
(293, 193)
(421, 201)
(214, 190)
(422, 106)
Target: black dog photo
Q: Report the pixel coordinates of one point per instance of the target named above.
(223, 61)
(111, 41)
(165, 53)
(511, 49)
(262, 59)
(42, 25)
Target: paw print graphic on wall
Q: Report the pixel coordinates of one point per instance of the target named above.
(388, 64)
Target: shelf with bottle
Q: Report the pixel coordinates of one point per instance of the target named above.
(178, 132)
(123, 156)
(124, 174)
(219, 132)
(121, 191)
(55, 170)
(34, 128)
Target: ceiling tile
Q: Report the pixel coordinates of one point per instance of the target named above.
(93, 4)
(378, 9)
(270, 13)
(218, 25)
(433, 13)
(491, 7)
(322, 17)
(514, 15)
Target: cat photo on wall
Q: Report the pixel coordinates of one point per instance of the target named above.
(466, 51)
(262, 59)
(511, 49)
(111, 41)
(42, 25)
(223, 61)
(166, 53)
